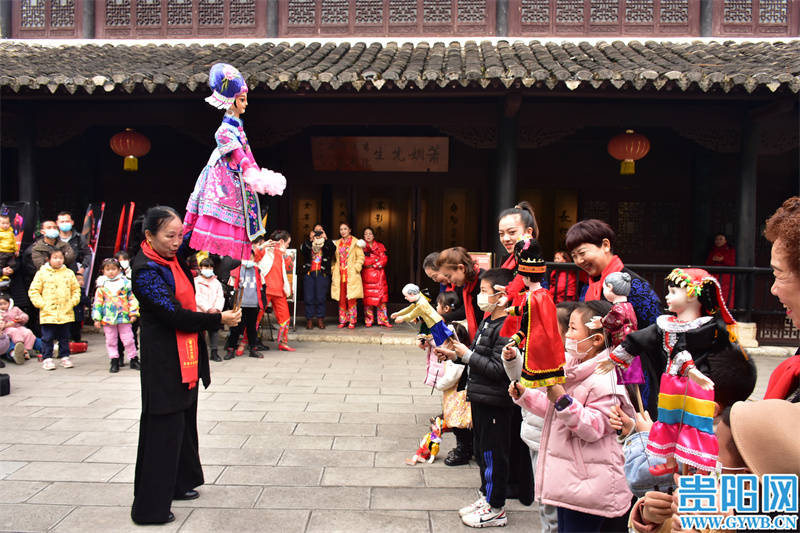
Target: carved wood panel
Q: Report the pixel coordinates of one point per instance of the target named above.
(766, 18)
(36, 19)
(180, 18)
(604, 17)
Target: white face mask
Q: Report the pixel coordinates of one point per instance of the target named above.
(248, 264)
(207, 272)
(571, 346)
(124, 264)
(484, 304)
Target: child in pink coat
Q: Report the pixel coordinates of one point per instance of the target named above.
(580, 468)
(12, 323)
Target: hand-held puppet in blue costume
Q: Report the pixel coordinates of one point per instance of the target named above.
(432, 322)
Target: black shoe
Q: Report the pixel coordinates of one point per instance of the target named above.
(261, 347)
(121, 360)
(254, 353)
(2, 364)
(188, 495)
(215, 356)
(229, 354)
(135, 365)
(114, 366)
(170, 518)
(458, 457)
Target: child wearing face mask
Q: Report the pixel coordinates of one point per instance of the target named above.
(584, 463)
(114, 309)
(276, 283)
(495, 419)
(210, 299)
(247, 278)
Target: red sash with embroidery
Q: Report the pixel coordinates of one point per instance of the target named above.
(184, 293)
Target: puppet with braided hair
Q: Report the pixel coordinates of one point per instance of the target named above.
(680, 343)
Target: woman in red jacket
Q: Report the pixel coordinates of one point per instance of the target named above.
(373, 276)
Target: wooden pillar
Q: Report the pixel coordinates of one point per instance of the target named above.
(272, 18)
(505, 187)
(27, 172)
(5, 19)
(746, 239)
(706, 17)
(501, 18)
(88, 19)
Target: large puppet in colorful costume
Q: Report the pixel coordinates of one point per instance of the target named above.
(701, 325)
(538, 336)
(223, 213)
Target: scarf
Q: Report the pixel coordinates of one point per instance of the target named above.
(595, 290)
(784, 379)
(515, 291)
(466, 292)
(184, 293)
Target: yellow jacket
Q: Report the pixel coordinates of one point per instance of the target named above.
(8, 244)
(355, 260)
(55, 293)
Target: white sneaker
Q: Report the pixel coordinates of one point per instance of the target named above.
(48, 364)
(480, 503)
(19, 353)
(66, 363)
(486, 517)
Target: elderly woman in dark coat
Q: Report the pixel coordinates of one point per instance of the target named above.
(173, 359)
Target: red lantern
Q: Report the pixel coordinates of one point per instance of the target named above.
(628, 147)
(131, 145)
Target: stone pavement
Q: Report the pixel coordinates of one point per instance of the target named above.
(311, 441)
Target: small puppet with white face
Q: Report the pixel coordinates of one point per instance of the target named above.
(420, 308)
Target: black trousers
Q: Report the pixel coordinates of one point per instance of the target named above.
(249, 323)
(491, 427)
(167, 463)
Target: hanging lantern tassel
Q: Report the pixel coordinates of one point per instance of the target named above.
(628, 148)
(131, 145)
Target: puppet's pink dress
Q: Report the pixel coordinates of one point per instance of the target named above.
(223, 212)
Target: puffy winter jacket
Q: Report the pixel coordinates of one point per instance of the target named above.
(530, 430)
(487, 381)
(581, 463)
(55, 293)
(373, 274)
(328, 253)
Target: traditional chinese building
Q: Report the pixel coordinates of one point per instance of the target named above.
(415, 128)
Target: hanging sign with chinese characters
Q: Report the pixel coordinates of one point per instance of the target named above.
(341, 214)
(306, 215)
(380, 154)
(380, 217)
(566, 214)
(454, 211)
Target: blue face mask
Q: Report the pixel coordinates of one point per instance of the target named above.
(65, 227)
(51, 233)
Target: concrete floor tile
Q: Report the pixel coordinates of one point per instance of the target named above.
(8, 467)
(126, 475)
(302, 416)
(326, 458)
(8, 422)
(253, 428)
(289, 442)
(23, 517)
(323, 498)
(46, 452)
(15, 436)
(231, 416)
(66, 493)
(113, 454)
(88, 424)
(107, 519)
(19, 491)
(403, 430)
(281, 406)
(235, 456)
(378, 398)
(344, 407)
(245, 521)
(126, 414)
(233, 398)
(76, 412)
(298, 476)
(376, 444)
(223, 497)
(368, 522)
(378, 418)
(426, 499)
(13, 411)
(451, 477)
(339, 429)
(311, 398)
(407, 476)
(40, 471)
(103, 438)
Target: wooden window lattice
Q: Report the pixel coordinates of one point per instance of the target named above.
(369, 12)
(211, 13)
(757, 17)
(402, 12)
(243, 13)
(179, 12)
(118, 12)
(437, 11)
(46, 18)
(33, 13)
(62, 13)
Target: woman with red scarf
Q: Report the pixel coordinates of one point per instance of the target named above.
(783, 231)
(173, 359)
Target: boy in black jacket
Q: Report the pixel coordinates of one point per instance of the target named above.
(492, 410)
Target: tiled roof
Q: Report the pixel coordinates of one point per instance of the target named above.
(698, 66)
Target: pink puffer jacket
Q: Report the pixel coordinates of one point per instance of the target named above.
(580, 463)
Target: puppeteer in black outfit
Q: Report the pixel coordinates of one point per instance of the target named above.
(168, 462)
